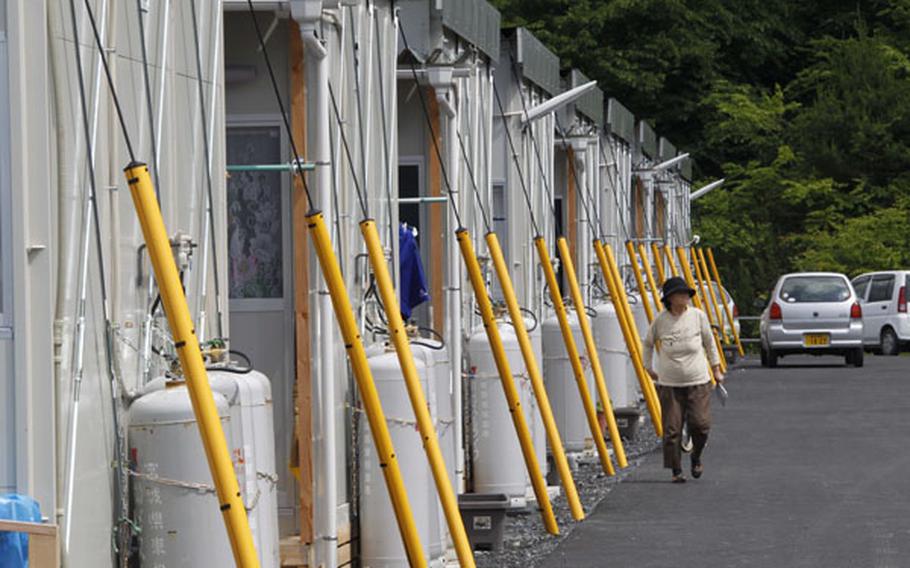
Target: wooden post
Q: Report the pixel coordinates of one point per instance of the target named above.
(43, 548)
(303, 429)
(436, 230)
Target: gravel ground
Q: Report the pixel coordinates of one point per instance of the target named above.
(527, 542)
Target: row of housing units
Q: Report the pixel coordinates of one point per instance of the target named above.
(424, 115)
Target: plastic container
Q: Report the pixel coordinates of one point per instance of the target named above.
(484, 518)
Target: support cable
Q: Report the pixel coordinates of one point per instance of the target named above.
(121, 522)
(385, 146)
(148, 96)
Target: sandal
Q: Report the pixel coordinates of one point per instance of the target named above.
(697, 469)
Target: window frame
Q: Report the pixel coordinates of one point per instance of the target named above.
(6, 233)
(882, 278)
(867, 279)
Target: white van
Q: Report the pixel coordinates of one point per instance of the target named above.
(886, 324)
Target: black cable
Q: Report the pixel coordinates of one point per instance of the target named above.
(148, 98)
(208, 173)
(614, 182)
(245, 370)
(426, 115)
(483, 211)
(521, 178)
(524, 107)
(347, 152)
(355, 49)
(107, 74)
(284, 116)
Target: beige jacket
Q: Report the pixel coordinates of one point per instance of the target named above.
(683, 343)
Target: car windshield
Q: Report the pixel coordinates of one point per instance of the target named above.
(797, 289)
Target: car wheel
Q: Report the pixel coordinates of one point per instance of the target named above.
(890, 345)
(858, 358)
(772, 358)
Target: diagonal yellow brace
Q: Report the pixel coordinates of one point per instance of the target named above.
(687, 274)
(505, 376)
(575, 291)
(658, 262)
(399, 339)
(706, 304)
(178, 316)
(650, 276)
(607, 262)
(578, 371)
(718, 316)
(540, 391)
(739, 344)
(636, 270)
(388, 461)
(670, 261)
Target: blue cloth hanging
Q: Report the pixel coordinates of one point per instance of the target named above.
(413, 290)
(14, 545)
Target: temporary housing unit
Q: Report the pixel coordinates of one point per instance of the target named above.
(617, 143)
(81, 332)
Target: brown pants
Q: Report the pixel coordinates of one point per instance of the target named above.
(692, 404)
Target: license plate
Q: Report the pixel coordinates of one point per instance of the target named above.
(816, 339)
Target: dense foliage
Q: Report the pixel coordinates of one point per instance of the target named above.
(803, 106)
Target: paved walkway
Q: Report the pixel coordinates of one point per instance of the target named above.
(808, 465)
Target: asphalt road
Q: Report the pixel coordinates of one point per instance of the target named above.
(806, 466)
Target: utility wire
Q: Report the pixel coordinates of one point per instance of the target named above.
(284, 115)
(210, 194)
(521, 178)
(110, 79)
(483, 211)
(615, 181)
(426, 115)
(530, 129)
(148, 96)
(347, 151)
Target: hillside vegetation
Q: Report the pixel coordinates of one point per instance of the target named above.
(803, 106)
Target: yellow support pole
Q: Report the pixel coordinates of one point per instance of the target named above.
(670, 261)
(388, 462)
(642, 252)
(575, 291)
(399, 338)
(505, 376)
(173, 298)
(627, 325)
(578, 371)
(658, 262)
(636, 270)
(718, 316)
(540, 391)
(739, 344)
(687, 274)
(702, 288)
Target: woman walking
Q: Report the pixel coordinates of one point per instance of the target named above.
(687, 355)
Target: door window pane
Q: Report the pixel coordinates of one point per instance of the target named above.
(254, 214)
(860, 285)
(881, 288)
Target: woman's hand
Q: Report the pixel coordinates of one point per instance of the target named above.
(718, 374)
(653, 375)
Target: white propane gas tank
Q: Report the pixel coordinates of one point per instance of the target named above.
(498, 463)
(249, 430)
(175, 502)
(440, 397)
(380, 541)
(561, 387)
(614, 356)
